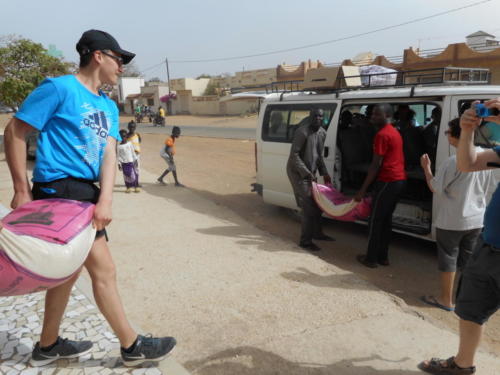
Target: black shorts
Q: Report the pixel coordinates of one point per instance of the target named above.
(478, 294)
(69, 188)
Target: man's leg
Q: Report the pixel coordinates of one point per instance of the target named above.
(307, 226)
(447, 281)
(470, 337)
(376, 224)
(56, 300)
(102, 271)
(390, 199)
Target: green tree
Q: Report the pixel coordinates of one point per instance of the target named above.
(204, 75)
(212, 89)
(131, 70)
(23, 65)
(154, 79)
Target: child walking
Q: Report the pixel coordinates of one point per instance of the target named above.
(167, 152)
(127, 163)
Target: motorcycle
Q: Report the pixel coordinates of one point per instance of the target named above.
(158, 120)
(139, 117)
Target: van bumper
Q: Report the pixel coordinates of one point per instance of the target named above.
(257, 188)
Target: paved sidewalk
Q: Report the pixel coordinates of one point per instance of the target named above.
(20, 325)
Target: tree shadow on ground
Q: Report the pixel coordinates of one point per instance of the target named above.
(247, 360)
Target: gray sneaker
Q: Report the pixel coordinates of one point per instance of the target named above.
(64, 348)
(147, 349)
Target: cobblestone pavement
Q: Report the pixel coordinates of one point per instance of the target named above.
(20, 326)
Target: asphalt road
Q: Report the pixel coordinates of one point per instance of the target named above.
(198, 131)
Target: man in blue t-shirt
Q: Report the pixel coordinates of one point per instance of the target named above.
(78, 127)
(478, 296)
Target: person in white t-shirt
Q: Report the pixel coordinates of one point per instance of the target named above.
(127, 163)
(459, 218)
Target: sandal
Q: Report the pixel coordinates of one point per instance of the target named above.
(432, 301)
(448, 366)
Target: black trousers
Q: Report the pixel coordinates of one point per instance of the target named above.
(311, 213)
(385, 197)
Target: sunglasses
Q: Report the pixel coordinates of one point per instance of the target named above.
(118, 59)
(447, 132)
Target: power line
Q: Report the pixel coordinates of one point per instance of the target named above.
(327, 41)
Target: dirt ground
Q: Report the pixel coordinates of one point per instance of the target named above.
(222, 171)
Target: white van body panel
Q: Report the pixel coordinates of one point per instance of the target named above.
(272, 156)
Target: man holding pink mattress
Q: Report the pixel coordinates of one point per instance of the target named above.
(78, 127)
(305, 160)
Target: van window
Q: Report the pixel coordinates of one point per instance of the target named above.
(281, 121)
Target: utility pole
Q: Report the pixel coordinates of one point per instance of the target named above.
(168, 75)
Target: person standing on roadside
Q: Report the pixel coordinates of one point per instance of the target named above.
(127, 163)
(459, 219)
(135, 139)
(306, 158)
(478, 296)
(388, 169)
(78, 127)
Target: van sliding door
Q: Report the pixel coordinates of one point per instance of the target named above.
(278, 128)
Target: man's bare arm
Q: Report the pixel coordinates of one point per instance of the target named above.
(468, 160)
(15, 152)
(103, 213)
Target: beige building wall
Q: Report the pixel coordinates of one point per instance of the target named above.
(238, 107)
(205, 105)
(182, 105)
(197, 86)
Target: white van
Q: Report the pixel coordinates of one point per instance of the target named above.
(348, 146)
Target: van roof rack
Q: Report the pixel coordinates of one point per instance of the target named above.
(395, 79)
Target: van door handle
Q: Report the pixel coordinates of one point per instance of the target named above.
(326, 152)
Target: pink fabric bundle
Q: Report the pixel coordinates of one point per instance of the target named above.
(339, 207)
(43, 243)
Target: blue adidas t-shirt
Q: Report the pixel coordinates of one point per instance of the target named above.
(74, 124)
(491, 233)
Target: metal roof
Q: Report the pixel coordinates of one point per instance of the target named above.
(479, 33)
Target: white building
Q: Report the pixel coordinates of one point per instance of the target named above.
(128, 86)
(481, 41)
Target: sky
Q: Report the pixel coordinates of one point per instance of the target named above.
(210, 29)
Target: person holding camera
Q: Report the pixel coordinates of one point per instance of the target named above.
(459, 215)
(478, 296)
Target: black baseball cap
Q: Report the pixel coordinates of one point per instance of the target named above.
(95, 40)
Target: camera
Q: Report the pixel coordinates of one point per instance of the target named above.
(482, 111)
